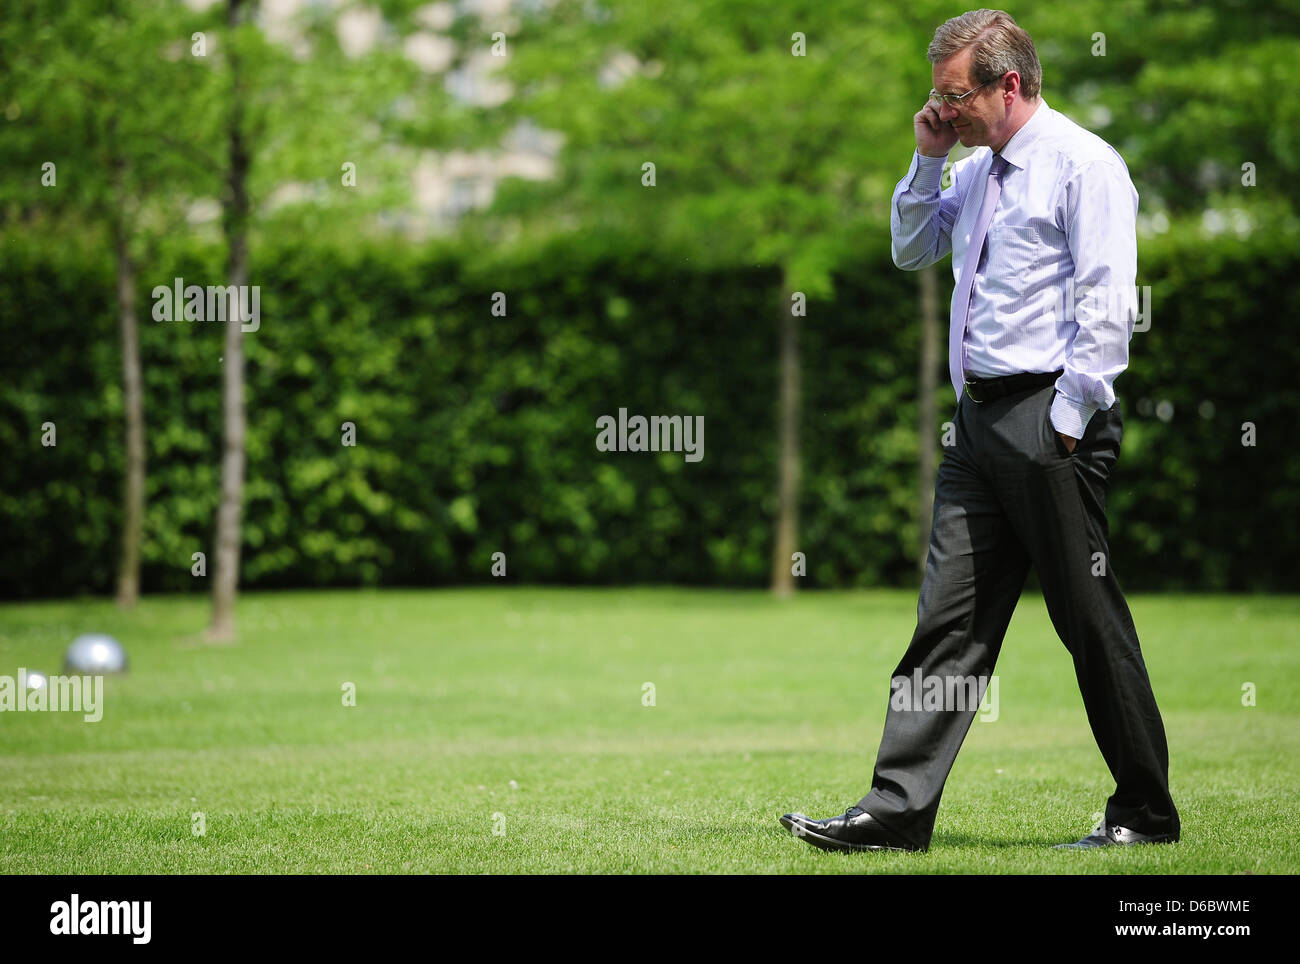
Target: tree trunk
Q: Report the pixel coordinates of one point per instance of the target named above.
(787, 518)
(235, 226)
(927, 384)
(128, 574)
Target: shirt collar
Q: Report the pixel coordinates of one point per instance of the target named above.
(1016, 150)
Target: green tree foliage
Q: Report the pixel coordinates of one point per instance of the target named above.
(475, 432)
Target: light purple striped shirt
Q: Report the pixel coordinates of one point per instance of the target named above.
(1056, 288)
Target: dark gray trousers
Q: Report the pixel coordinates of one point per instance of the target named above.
(1009, 495)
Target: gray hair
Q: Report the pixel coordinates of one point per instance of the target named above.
(999, 45)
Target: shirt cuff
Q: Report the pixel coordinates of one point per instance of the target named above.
(929, 174)
(1069, 417)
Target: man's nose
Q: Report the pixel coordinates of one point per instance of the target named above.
(947, 112)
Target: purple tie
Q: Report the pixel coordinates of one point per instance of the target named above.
(961, 297)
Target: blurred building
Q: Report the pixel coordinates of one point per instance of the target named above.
(447, 184)
(444, 185)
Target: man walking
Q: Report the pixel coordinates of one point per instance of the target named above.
(1040, 221)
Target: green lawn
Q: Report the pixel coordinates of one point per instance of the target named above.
(527, 703)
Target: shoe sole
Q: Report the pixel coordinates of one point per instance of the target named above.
(1113, 843)
(828, 843)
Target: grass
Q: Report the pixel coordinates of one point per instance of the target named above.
(520, 710)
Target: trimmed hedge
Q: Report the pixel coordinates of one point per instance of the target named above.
(476, 434)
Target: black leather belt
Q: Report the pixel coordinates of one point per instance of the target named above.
(987, 389)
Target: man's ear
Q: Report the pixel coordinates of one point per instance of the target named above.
(1011, 83)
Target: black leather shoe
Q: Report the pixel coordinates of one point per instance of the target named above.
(854, 830)
(1109, 834)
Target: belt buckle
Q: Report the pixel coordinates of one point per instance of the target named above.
(966, 388)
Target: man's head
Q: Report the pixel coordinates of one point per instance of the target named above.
(986, 49)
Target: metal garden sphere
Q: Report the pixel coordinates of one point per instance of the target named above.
(95, 654)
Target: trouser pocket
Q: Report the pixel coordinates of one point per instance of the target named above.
(1053, 435)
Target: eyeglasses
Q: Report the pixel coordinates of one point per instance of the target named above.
(955, 100)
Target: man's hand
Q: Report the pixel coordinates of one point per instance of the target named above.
(1070, 443)
(934, 137)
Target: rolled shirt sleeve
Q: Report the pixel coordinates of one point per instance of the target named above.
(1100, 225)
